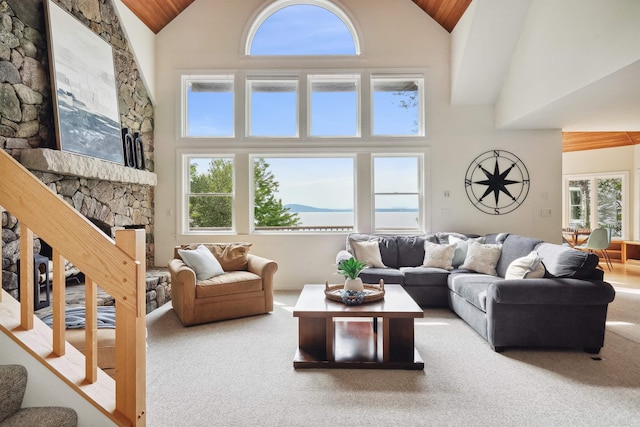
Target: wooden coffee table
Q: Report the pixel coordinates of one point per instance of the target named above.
(334, 335)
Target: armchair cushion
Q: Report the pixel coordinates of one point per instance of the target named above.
(202, 261)
(234, 282)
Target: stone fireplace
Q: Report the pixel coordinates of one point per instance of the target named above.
(106, 193)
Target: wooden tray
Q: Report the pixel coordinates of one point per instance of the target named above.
(371, 292)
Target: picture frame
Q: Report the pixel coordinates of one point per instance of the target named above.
(84, 88)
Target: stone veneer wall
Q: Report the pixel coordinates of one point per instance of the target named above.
(26, 121)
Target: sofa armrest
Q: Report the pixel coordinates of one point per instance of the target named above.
(552, 291)
(266, 269)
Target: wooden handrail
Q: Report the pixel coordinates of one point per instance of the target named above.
(117, 266)
(62, 227)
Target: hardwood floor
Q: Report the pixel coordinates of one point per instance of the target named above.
(623, 276)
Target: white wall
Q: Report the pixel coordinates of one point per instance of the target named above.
(45, 389)
(142, 42)
(209, 36)
(565, 46)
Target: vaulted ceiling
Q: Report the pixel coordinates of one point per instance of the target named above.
(156, 14)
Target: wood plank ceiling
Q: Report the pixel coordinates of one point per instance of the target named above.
(156, 14)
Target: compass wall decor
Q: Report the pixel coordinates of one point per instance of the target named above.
(497, 182)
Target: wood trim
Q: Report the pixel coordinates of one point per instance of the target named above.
(156, 14)
(447, 13)
(580, 141)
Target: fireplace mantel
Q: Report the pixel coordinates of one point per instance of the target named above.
(69, 164)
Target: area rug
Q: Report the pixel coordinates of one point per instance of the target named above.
(240, 373)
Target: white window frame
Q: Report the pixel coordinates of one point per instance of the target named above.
(337, 78)
(420, 193)
(185, 180)
(294, 155)
(248, 104)
(184, 115)
(624, 175)
(399, 77)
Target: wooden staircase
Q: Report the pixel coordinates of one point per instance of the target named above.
(118, 266)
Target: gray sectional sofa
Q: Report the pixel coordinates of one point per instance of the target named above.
(566, 308)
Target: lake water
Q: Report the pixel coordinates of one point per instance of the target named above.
(383, 219)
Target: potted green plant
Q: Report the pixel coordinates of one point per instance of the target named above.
(351, 268)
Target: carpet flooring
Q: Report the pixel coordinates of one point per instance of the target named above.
(240, 373)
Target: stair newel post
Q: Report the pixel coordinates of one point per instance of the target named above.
(26, 277)
(58, 303)
(131, 368)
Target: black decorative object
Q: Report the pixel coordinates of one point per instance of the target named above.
(497, 182)
(128, 148)
(138, 149)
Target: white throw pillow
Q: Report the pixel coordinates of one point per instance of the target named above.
(527, 267)
(368, 251)
(202, 261)
(440, 256)
(482, 258)
(462, 246)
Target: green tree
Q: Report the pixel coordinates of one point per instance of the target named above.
(610, 205)
(268, 209)
(210, 203)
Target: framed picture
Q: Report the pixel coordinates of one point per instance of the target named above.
(84, 88)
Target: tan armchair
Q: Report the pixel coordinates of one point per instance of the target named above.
(245, 288)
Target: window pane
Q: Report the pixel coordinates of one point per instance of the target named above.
(396, 186)
(334, 108)
(395, 174)
(303, 30)
(396, 107)
(610, 205)
(210, 193)
(210, 108)
(580, 203)
(397, 212)
(274, 107)
(303, 193)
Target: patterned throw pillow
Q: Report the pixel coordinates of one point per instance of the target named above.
(439, 256)
(368, 251)
(232, 256)
(482, 258)
(527, 267)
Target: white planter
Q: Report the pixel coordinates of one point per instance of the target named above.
(354, 285)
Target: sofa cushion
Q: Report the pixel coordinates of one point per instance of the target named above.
(202, 261)
(368, 252)
(234, 282)
(373, 275)
(232, 256)
(472, 287)
(495, 238)
(527, 267)
(411, 249)
(437, 255)
(561, 261)
(514, 247)
(386, 243)
(482, 258)
(425, 276)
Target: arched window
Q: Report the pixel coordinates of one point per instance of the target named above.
(292, 27)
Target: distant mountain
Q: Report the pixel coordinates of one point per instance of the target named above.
(294, 207)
